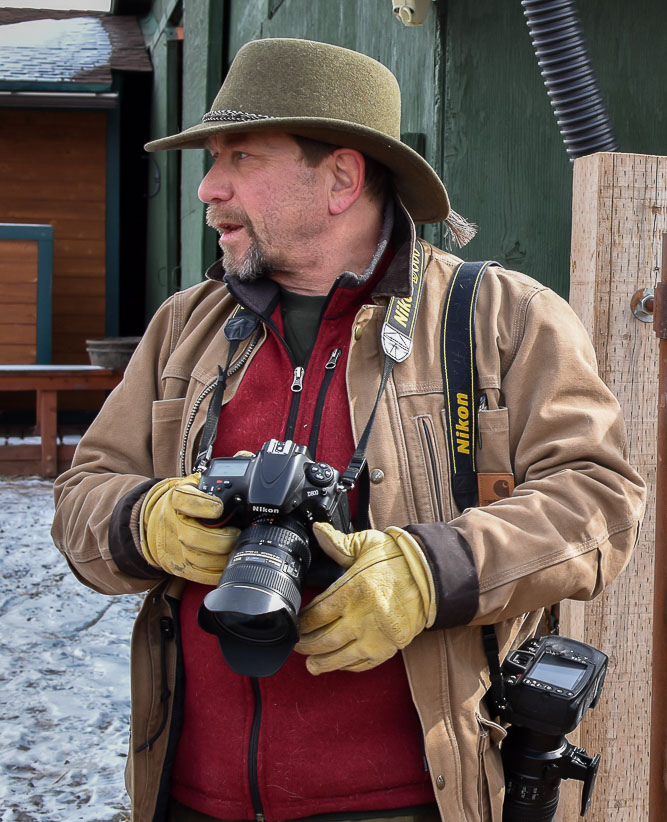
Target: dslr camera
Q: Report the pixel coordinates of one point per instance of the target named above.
(549, 683)
(274, 497)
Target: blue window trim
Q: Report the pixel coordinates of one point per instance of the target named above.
(22, 85)
(44, 236)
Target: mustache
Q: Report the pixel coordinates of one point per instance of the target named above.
(216, 215)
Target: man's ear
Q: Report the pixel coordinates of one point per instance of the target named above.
(348, 170)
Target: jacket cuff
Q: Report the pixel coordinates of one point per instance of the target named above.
(123, 546)
(454, 574)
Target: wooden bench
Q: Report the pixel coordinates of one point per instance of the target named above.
(48, 458)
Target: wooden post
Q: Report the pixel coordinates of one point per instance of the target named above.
(658, 773)
(47, 415)
(619, 212)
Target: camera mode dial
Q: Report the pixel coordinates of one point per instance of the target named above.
(319, 474)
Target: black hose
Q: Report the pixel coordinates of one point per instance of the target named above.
(565, 64)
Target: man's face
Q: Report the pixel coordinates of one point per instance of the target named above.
(266, 204)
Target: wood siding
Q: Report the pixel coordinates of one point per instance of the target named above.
(18, 301)
(618, 221)
(53, 166)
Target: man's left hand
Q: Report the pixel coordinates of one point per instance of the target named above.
(385, 598)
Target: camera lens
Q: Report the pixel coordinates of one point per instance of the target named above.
(260, 628)
(254, 610)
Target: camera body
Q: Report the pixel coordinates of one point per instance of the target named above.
(274, 497)
(549, 684)
(280, 479)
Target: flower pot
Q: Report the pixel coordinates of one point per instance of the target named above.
(111, 352)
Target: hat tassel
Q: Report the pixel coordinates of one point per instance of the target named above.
(459, 229)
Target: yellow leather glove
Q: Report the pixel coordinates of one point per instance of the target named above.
(384, 599)
(172, 538)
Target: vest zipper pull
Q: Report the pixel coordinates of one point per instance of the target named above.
(333, 359)
(297, 382)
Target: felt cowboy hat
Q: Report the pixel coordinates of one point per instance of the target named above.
(326, 93)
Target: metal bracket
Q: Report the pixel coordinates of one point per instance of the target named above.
(642, 304)
(411, 12)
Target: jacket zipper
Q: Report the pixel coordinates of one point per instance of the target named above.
(254, 748)
(430, 447)
(297, 379)
(300, 372)
(242, 360)
(296, 389)
(330, 367)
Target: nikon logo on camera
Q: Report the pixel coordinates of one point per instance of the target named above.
(463, 423)
(264, 509)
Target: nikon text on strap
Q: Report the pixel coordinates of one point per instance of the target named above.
(459, 376)
(396, 336)
(399, 323)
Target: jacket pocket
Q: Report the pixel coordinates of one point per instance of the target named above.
(167, 419)
(435, 505)
(493, 453)
(490, 778)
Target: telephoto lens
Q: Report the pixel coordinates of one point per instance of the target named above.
(254, 610)
(532, 775)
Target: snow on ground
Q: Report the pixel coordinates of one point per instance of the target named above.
(64, 675)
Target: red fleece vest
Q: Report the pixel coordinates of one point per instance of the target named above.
(339, 742)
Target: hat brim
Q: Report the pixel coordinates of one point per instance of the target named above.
(419, 187)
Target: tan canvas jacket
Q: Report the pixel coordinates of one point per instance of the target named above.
(567, 530)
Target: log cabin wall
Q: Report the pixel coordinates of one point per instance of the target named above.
(18, 301)
(53, 166)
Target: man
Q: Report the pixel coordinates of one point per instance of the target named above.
(315, 198)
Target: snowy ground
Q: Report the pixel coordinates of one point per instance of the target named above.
(64, 675)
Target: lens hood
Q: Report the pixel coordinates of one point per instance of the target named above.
(256, 633)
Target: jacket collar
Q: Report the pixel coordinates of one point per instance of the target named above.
(398, 232)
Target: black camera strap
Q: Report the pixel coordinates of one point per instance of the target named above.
(238, 327)
(496, 698)
(459, 379)
(460, 386)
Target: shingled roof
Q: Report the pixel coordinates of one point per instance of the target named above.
(43, 47)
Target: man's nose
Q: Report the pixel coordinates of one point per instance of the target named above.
(215, 186)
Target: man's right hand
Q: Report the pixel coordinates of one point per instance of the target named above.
(173, 537)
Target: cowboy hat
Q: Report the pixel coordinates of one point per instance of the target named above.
(326, 93)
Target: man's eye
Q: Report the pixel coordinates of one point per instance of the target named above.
(240, 155)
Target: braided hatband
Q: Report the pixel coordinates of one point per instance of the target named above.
(230, 116)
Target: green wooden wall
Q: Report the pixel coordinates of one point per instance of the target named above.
(471, 87)
(163, 168)
(203, 27)
(505, 164)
